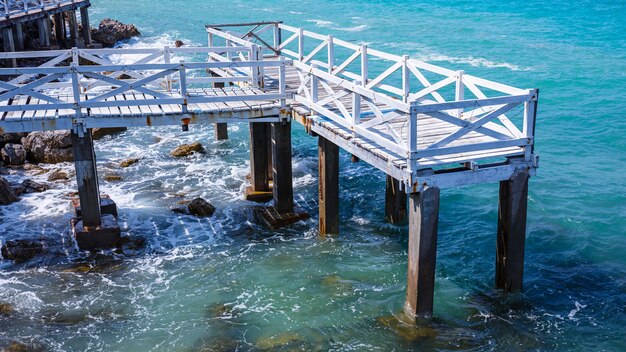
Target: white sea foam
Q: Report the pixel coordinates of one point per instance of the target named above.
(334, 26)
(472, 61)
(574, 311)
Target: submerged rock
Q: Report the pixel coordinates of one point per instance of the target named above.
(187, 149)
(6, 309)
(337, 285)
(99, 133)
(218, 344)
(404, 328)
(58, 175)
(7, 193)
(112, 177)
(20, 347)
(112, 31)
(21, 250)
(281, 341)
(129, 162)
(13, 154)
(200, 207)
(31, 186)
(49, 147)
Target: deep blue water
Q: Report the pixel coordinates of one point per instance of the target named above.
(332, 293)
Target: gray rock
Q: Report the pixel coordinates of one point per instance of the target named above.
(7, 193)
(49, 147)
(21, 250)
(111, 31)
(99, 133)
(58, 175)
(200, 207)
(13, 154)
(11, 138)
(31, 186)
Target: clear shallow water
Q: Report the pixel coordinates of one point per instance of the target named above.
(225, 282)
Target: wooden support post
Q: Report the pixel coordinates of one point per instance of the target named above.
(395, 202)
(84, 20)
(328, 160)
(281, 161)
(9, 44)
(19, 36)
(221, 128)
(59, 28)
(43, 30)
(87, 178)
(72, 21)
(423, 221)
(258, 156)
(511, 232)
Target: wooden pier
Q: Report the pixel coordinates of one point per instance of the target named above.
(426, 127)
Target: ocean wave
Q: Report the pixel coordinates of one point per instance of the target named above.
(334, 26)
(472, 61)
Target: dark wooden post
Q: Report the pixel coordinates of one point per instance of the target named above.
(281, 161)
(59, 28)
(328, 162)
(72, 22)
(512, 208)
(258, 156)
(19, 36)
(221, 128)
(9, 44)
(423, 221)
(84, 20)
(395, 202)
(87, 179)
(44, 32)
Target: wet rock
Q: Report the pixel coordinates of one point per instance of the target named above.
(66, 318)
(31, 186)
(289, 340)
(21, 250)
(6, 309)
(99, 133)
(200, 207)
(20, 347)
(58, 175)
(218, 344)
(187, 149)
(404, 328)
(11, 138)
(180, 210)
(337, 285)
(129, 162)
(7, 193)
(13, 154)
(111, 31)
(112, 177)
(35, 170)
(222, 311)
(49, 147)
(178, 43)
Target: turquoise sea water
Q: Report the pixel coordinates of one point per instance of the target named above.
(226, 283)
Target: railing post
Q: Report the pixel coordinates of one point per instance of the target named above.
(254, 69)
(300, 44)
(460, 90)
(412, 141)
(406, 79)
(530, 113)
(356, 109)
(260, 69)
(167, 59)
(183, 85)
(229, 54)
(331, 54)
(364, 64)
(276, 37)
(210, 39)
(314, 84)
(282, 83)
(75, 88)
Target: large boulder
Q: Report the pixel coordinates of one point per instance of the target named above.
(200, 207)
(7, 193)
(21, 250)
(11, 138)
(49, 147)
(111, 31)
(13, 154)
(187, 149)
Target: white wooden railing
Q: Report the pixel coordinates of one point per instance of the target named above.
(12, 8)
(153, 72)
(399, 87)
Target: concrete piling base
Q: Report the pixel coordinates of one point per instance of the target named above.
(108, 234)
(259, 196)
(273, 219)
(107, 206)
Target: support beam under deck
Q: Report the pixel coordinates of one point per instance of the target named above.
(86, 30)
(281, 162)
(395, 201)
(423, 222)
(512, 209)
(328, 162)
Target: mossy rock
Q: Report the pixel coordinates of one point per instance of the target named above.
(405, 329)
(187, 149)
(6, 309)
(285, 340)
(129, 162)
(337, 285)
(112, 177)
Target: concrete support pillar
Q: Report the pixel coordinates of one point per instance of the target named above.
(9, 44)
(84, 20)
(19, 36)
(281, 161)
(87, 179)
(512, 208)
(59, 28)
(44, 32)
(328, 161)
(395, 202)
(423, 221)
(260, 155)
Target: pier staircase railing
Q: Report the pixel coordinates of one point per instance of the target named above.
(80, 79)
(392, 88)
(13, 8)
